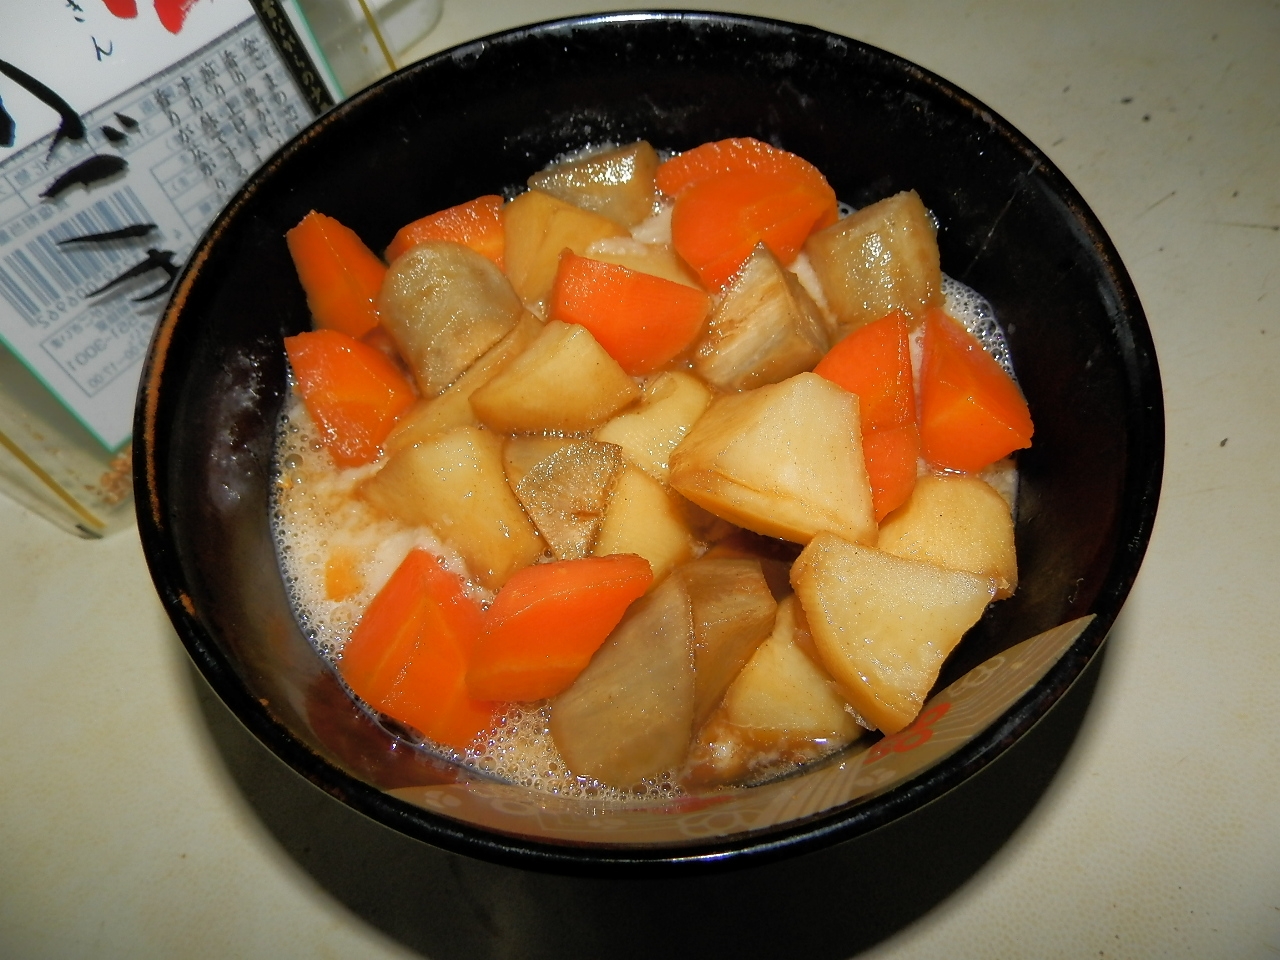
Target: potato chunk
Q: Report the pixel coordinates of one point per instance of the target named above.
(765, 329)
(455, 484)
(629, 715)
(733, 611)
(784, 460)
(616, 183)
(655, 259)
(566, 493)
(642, 519)
(784, 690)
(957, 522)
(445, 305)
(882, 258)
(438, 415)
(882, 624)
(672, 402)
(537, 226)
(564, 382)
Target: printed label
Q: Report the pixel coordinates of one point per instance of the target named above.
(154, 165)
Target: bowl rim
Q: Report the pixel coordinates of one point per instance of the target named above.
(1140, 495)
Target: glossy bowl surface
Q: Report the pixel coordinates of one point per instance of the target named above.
(479, 119)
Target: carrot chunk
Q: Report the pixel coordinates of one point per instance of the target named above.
(408, 654)
(476, 224)
(548, 620)
(717, 222)
(341, 276)
(352, 390)
(971, 412)
(892, 456)
(736, 154)
(642, 321)
(875, 363)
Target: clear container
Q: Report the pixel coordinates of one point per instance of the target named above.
(52, 465)
(360, 41)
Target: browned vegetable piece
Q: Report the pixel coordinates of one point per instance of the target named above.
(733, 612)
(629, 715)
(765, 329)
(882, 258)
(445, 305)
(616, 183)
(566, 493)
(522, 454)
(438, 415)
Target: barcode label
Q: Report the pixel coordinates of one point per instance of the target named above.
(42, 281)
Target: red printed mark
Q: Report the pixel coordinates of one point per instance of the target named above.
(916, 735)
(173, 13)
(122, 9)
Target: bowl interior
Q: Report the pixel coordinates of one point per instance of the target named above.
(479, 119)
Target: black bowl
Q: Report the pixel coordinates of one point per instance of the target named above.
(480, 118)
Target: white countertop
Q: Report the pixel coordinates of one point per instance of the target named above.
(137, 819)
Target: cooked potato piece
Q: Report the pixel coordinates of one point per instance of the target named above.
(672, 402)
(537, 227)
(883, 625)
(765, 329)
(521, 454)
(629, 715)
(566, 493)
(656, 259)
(958, 522)
(783, 690)
(733, 612)
(445, 305)
(438, 415)
(642, 519)
(455, 484)
(616, 183)
(564, 382)
(784, 460)
(882, 258)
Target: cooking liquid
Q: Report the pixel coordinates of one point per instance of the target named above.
(318, 521)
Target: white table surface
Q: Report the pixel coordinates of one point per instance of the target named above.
(137, 819)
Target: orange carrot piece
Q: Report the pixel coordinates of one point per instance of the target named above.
(353, 392)
(342, 578)
(341, 276)
(875, 363)
(476, 224)
(642, 321)
(736, 154)
(408, 654)
(971, 412)
(717, 222)
(548, 620)
(892, 456)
